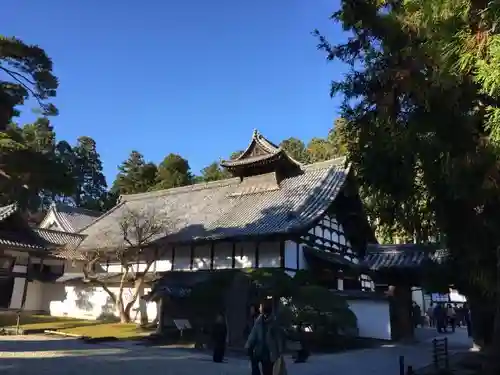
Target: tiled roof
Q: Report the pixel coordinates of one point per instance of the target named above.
(56, 237)
(269, 152)
(327, 257)
(17, 241)
(35, 238)
(73, 219)
(6, 211)
(403, 256)
(222, 209)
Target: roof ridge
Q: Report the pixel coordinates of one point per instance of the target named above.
(341, 160)
(75, 209)
(219, 183)
(181, 189)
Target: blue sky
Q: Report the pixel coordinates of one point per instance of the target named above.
(193, 77)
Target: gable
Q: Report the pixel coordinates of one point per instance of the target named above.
(50, 222)
(343, 229)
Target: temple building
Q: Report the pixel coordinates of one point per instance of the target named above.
(274, 213)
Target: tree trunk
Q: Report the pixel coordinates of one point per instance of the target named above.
(400, 310)
(492, 364)
(482, 320)
(123, 313)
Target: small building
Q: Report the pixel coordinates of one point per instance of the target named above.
(29, 262)
(66, 218)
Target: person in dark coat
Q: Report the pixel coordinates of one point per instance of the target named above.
(416, 314)
(265, 342)
(467, 319)
(219, 334)
(440, 314)
(303, 351)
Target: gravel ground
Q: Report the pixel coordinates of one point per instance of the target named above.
(21, 355)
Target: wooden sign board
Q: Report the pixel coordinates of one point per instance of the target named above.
(182, 324)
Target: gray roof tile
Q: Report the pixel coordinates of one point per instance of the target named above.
(401, 256)
(6, 211)
(73, 219)
(45, 240)
(56, 237)
(228, 208)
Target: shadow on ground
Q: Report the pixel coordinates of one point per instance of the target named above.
(73, 357)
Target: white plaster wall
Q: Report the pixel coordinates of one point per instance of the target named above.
(50, 219)
(201, 260)
(18, 289)
(34, 296)
(418, 296)
(91, 303)
(245, 255)
(269, 254)
(373, 318)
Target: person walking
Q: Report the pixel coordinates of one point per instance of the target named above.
(430, 315)
(265, 342)
(219, 335)
(441, 318)
(416, 313)
(467, 319)
(451, 314)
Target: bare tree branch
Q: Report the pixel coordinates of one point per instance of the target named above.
(138, 229)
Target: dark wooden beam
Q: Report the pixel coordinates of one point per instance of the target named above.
(282, 253)
(212, 253)
(233, 256)
(257, 254)
(191, 256)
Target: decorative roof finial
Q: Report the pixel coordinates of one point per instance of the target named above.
(255, 133)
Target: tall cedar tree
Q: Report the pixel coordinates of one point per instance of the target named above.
(91, 188)
(135, 176)
(417, 126)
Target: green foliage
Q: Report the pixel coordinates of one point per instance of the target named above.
(304, 301)
(317, 306)
(29, 157)
(207, 298)
(420, 108)
(319, 149)
(135, 175)
(296, 149)
(173, 171)
(91, 187)
(29, 75)
(272, 282)
(213, 173)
